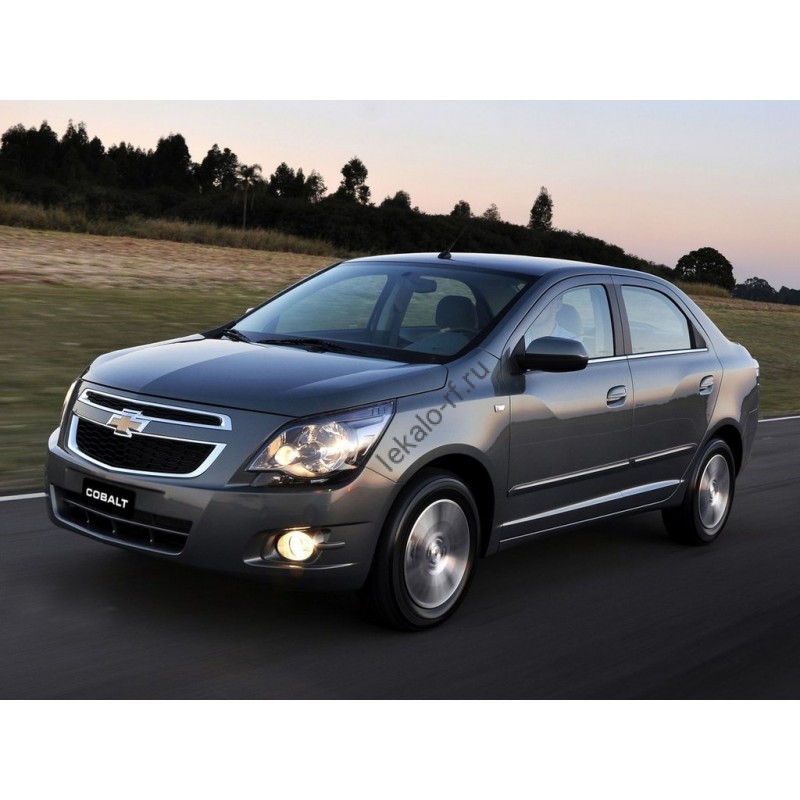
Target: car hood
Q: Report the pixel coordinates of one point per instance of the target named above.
(280, 380)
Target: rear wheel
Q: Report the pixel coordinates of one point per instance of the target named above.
(708, 501)
(426, 555)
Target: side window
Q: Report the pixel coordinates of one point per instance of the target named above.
(581, 313)
(656, 323)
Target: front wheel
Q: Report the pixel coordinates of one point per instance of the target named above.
(708, 501)
(426, 555)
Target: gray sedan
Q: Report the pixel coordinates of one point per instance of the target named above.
(390, 420)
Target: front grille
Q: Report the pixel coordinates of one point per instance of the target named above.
(140, 453)
(152, 531)
(153, 412)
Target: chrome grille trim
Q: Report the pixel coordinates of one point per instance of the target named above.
(130, 404)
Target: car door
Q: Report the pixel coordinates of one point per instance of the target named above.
(570, 435)
(676, 379)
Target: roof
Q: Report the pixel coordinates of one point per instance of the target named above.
(530, 265)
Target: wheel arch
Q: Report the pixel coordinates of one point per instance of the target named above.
(478, 480)
(732, 436)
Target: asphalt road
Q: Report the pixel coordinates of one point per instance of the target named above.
(612, 611)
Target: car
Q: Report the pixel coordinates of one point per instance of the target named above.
(385, 423)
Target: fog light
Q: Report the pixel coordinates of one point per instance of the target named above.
(296, 546)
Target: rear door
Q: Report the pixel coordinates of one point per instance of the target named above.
(676, 379)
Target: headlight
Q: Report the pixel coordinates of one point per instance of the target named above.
(321, 447)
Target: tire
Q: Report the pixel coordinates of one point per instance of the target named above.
(709, 498)
(426, 555)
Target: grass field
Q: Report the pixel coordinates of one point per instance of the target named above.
(769, 331)
(65, 298)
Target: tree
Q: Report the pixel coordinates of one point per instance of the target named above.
(248, 177)
(492, 213)
(400, 200)
(171, 163)
(217, 170)
(315, 187)
(542, 212)
(131, 165)
(755, 289)
(80, 158)
(287, 183)
(30, 152)
(461, 209)
(706, 265)
(284, 182)
(789, 296)
(353, 185)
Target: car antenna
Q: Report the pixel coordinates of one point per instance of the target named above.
(447, 254)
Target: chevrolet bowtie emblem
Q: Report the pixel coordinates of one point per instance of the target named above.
(126, 422)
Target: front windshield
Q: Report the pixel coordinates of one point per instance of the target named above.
(408, 312)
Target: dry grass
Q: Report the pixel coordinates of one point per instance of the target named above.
(22, 215)
(115, 262)
(702, 289)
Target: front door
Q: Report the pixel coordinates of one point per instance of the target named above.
(571, 432)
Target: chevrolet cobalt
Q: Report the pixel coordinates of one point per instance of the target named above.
(386, 422)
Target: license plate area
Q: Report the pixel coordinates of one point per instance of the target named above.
(111, 499)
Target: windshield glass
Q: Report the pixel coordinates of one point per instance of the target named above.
(407, 312)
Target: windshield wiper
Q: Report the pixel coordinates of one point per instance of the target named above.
(322, 345)
(237, 336)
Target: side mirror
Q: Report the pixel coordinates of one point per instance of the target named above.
(553, 354)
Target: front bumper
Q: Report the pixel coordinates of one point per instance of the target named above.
(229, 528)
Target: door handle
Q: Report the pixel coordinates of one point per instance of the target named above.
(707, 384)
(616, 396)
